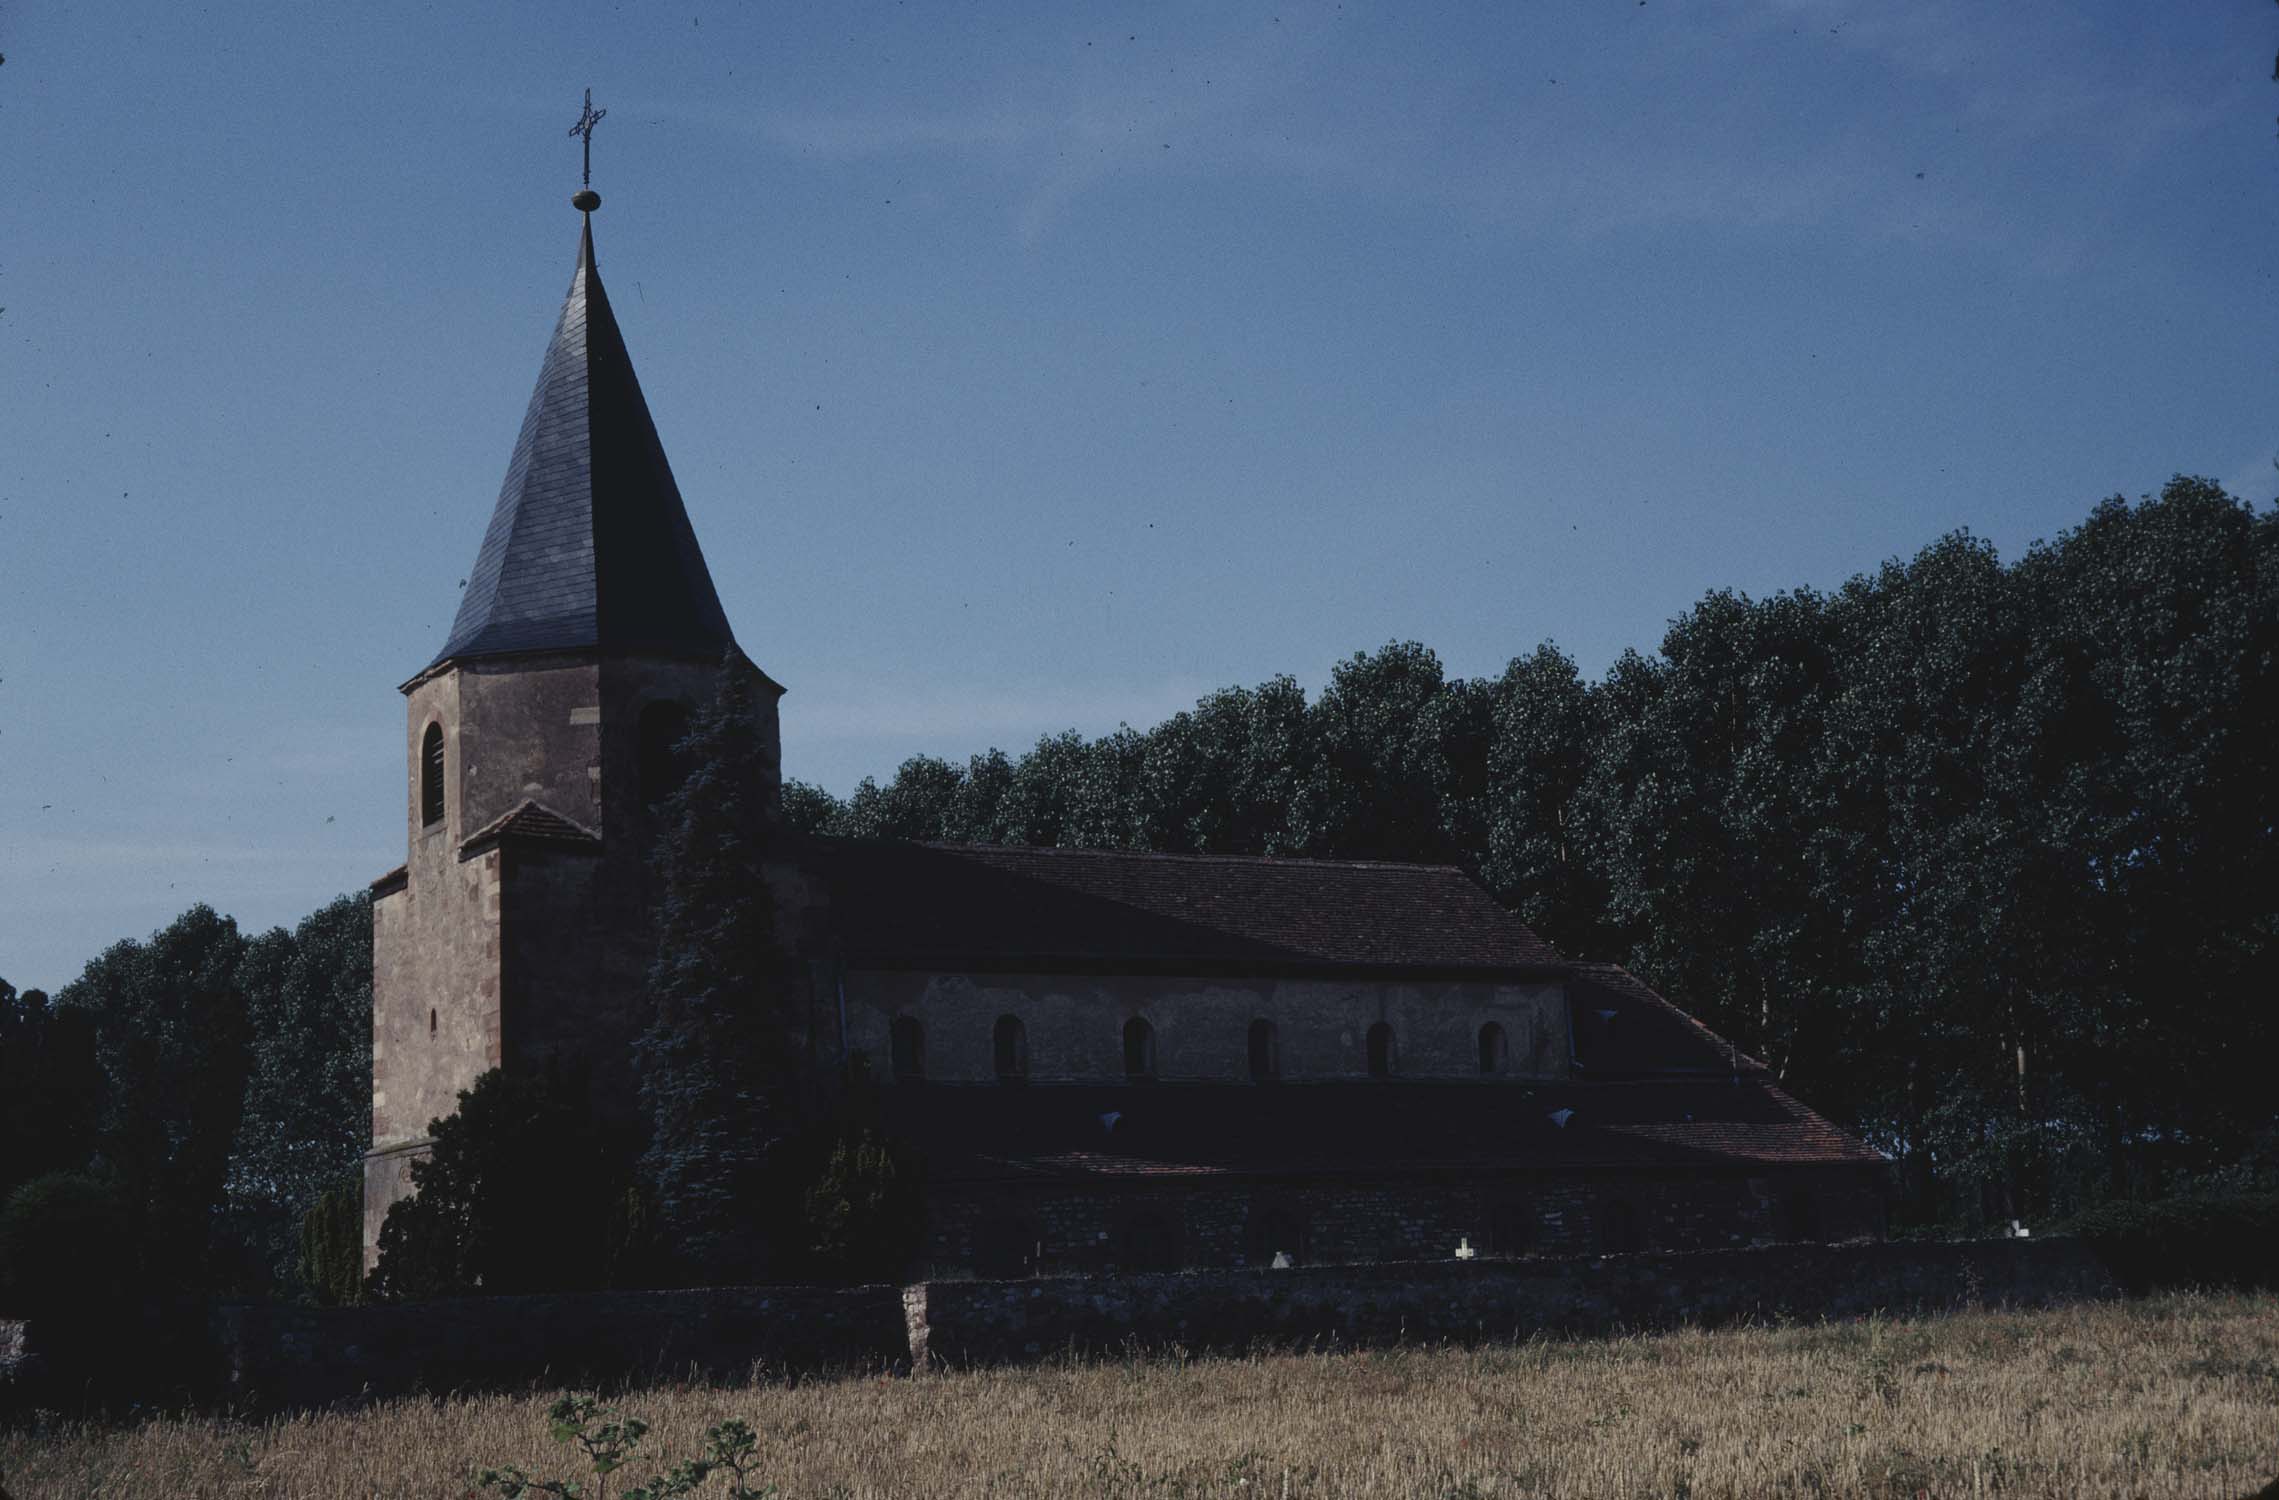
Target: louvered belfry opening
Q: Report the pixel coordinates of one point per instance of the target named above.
(431, 776)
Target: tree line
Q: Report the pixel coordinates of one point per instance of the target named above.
(186, 1099)
(1979, 857)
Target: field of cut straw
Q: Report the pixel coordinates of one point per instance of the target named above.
(2174, 1396)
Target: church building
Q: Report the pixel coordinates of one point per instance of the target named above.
(1110, 1060)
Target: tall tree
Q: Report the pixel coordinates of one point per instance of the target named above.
(51, 1087)
(1385, 759)
(1227, 777)
(715, 1062)
(307, 1099)
(1533, 850)
(171, 1036)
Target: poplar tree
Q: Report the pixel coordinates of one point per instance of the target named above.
(715, 1060)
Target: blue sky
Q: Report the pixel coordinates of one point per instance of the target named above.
(1039, 367)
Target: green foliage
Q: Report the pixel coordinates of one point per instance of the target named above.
(635, 1253)
(171, 1038)
(69, 1239)
(608, 1439)
(806, 808)
(1979, 857)
(332, 1245)
(715, 1065)
(514, 1196)
(307, 1116)
(51, 1087)
(860, 1207)
(2212, 1240)
(222, 1084)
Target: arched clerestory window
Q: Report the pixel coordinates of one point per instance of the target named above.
(1381, 1059)
(1265, 1051)
(1010, 1045)
(657, 748)
(908, 1043)
(431, 776)
(1139, 1049)
(1495, 1050)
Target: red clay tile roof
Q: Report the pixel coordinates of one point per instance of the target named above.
(969, 905)
(1624, 1029)
(531, 822)
(980, 1133)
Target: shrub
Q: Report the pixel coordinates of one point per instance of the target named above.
(332, 1245)
(861, 1208)
(514, 1197)
(70, 1262)
(67, 1240)
(2205, 1240)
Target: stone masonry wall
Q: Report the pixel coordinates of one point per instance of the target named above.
(979, 1322)
(1075, 1024)
(302, 1357)
(271, 1355)
(1211, 1222)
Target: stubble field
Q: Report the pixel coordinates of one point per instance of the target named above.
(2172, 1396)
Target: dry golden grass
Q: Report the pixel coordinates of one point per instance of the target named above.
(2175, 1396)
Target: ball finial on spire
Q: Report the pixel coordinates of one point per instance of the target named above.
(585, 200)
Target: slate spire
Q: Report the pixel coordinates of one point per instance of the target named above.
(589, 547)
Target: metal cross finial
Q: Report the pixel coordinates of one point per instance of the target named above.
(586, 122)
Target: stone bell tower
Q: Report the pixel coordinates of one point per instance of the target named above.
(538, 747)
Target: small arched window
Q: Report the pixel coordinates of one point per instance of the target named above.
(663, 725)
(1011, 1047)
(1495, 1051)
(909, 1047)
(1265, 1052)
(1381, 1059)
(1139, 1049)
(1618, 1231)
(431, 776)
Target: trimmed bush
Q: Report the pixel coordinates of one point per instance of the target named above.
(332, 1245)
